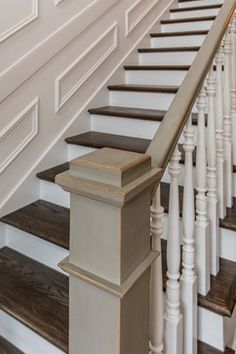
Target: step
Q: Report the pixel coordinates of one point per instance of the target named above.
(35, 295)
(204, 348)
(172, 55)
(7, 348)
(178, 38)
(192, 3)
(142, 96)
(196, 11)
(43, 219)
(187, 24)
(138, 122)
(221, 297)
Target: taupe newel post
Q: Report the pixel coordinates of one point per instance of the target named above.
(110, 253)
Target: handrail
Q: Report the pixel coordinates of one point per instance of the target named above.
(167, 136)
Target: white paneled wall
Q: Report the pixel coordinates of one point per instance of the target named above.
(55, 57)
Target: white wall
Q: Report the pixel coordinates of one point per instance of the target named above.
(55, 57)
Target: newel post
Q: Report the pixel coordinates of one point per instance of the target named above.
(110, 253)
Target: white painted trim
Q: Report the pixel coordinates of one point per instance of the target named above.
(129, 27)
(61, 101)
(31, 108)
(57, 2)
(24, 338)
(21, 24)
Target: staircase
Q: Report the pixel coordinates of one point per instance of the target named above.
(34, 292)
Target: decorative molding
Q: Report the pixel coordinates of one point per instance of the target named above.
(21, 24)
(31, 111)
(56, 2)
(129, 26)
(32, 61)
(60, 100)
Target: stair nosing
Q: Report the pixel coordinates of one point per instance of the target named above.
(157, 67)
(144, 88)
(180, 33)
(169, 49)
(196, 8)
(192, 19)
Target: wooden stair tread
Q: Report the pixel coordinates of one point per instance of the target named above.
(129, 112)
(42, 219)
(35, 295)
(169, 49)
(229, 222)
(157, 67)
(179, 33)
(100, 140)
(144, 88)
(221, 298)
(7, 348)
(190, 19)
(196, 8)
(50, 174)
(204, 348)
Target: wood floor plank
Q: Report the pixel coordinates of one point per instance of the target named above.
(42, 219)
(35, 295)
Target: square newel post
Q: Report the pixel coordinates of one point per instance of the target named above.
(110, 254)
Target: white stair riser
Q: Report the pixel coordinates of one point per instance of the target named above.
(24, 338)
(167, 58)
(150, 100)
(186, 26)
(195, 13)
(177, 41)
(126, 126)
(155, 77)
(199, 3)
(53, 193)
(211, 329)
(76, 151)
(34, 247)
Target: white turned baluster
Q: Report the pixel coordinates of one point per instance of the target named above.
(211, 174)
(227, 118)
(233, 86)
(188, 278)
(202, 224)
(156, 303)
(173, 317)
(219, 113)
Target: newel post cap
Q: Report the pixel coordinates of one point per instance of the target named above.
(114, 176)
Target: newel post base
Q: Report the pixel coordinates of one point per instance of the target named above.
(110, 254)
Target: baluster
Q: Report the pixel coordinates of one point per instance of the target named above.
(211, 174)
(233, 86)
(227, 118)
(156, 303)
(202, 224)
(219, 113)
(188, 278)
(173, 317)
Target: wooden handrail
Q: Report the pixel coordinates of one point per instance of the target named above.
(167, 136)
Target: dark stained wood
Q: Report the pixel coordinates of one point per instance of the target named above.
(144, 88)
(100, 140)
(221, 298)
(229, 221)
(42, 219)
(190, 19)
(50, 174)
(234, 169)
(35, 295)
(206, 349)
(8, 348)
(195, 8)
(179, 33)
(157, 67)
(169, 49)
(129, 112)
